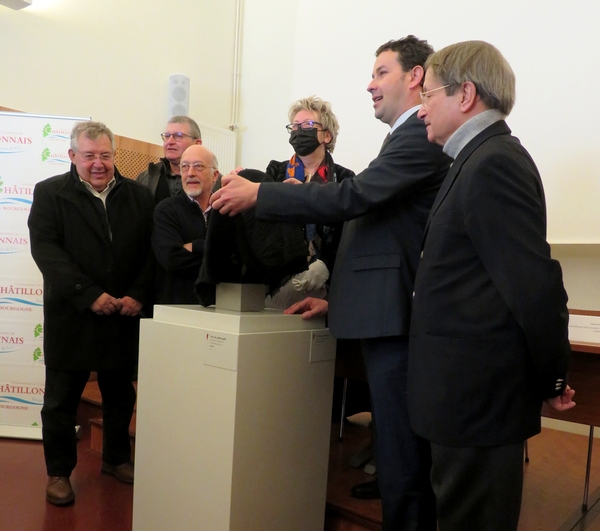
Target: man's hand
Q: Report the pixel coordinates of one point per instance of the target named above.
(235, 195)
(188, 246)
(105, 304)
(130, 307)
(562, 402)
(309, 308)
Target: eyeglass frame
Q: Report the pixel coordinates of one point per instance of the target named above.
(92, 157)
(294, 127)
(178, 137)
(198, 166)
(426, 96)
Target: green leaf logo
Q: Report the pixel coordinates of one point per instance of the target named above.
(1, 183)
(37, 354)
(46, 130)
(35, 424)
(37, 331)
(45, 154)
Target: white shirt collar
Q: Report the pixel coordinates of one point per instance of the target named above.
(403, 117)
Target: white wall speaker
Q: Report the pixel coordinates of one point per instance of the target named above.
(179, 95)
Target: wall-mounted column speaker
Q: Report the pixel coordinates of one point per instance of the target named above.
(179, 95)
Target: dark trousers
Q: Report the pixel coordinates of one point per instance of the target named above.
(478, 489)
(403, 459)
(61, 398)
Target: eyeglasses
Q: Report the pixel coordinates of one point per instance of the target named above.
(91, 157)
(426, 96)
(176, 136)
(197, 166)
(306, 125)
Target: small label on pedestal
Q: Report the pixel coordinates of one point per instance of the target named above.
(322, 346)
(221, 350)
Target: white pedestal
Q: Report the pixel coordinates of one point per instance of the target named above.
(233, 421)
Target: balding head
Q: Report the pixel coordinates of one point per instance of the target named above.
(198, 173)
(202, 154)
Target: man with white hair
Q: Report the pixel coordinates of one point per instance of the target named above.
(180, 224)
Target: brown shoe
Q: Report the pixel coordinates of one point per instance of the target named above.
(59, 490)
(123, 472)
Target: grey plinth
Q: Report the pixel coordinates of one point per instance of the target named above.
(233, 421)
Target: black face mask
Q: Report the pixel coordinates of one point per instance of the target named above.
(304, 142)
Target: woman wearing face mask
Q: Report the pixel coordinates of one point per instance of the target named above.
(313, 132)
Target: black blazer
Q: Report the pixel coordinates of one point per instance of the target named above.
(385, 208)
(489, 326)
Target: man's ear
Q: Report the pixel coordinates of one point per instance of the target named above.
(417, 74)
(469, 96)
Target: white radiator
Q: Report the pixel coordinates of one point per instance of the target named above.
(223, 143)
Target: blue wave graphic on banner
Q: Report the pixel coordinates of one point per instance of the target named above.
(10, 252)
(14, 300)
(20, 400)
(13, 200)
(13, 151)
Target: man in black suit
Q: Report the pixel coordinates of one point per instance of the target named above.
(180, 228)
(488, 338)
(385, 209)
(90, 237)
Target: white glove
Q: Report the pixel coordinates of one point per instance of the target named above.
(314, 278)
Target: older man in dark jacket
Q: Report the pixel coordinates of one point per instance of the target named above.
(90, 236)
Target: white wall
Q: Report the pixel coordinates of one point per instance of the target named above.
(326, 47)
(111, 60)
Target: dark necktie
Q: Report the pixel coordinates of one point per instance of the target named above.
(385, 142)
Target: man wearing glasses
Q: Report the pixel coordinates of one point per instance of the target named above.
(90, 237)
(384, 209)
(164, 177)
(489, 330)
(180, 228)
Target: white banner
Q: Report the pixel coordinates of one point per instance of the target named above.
(32, 148)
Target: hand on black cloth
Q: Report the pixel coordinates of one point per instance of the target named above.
(246, 250)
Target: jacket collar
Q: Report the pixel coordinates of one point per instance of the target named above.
(497, 128)
(74, 191)
(75, 181)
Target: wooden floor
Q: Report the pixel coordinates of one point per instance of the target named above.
(552, 495)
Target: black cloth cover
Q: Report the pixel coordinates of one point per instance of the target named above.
(243, 249)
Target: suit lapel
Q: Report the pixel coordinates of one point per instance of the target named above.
(496, 128)
(398, 131)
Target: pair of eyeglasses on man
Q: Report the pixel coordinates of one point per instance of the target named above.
(306, 125)
(176, 136)
(426, 96)
(197, 166)
(104, 157)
